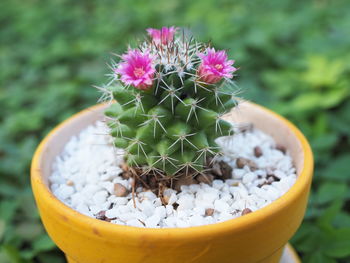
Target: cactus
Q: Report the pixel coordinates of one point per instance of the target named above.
(167, 98)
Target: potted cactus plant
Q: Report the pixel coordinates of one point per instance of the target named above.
(182, 175)
(169, 99)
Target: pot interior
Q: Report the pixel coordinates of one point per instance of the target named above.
(271, 124)
(244, 113)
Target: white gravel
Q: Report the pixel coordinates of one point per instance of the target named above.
(84, 175)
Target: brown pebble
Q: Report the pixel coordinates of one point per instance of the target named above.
(205, 178)
(241, 162)
(216, 169)
(120, 190)
(165, 199)
(209, 212)
(281, 148)
(70, 183)
(124, 167)
(125, 175)
(221, 169)
(246, 211)
(258, 152)
(226, 170)
(184, 180)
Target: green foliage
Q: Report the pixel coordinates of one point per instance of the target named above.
(293, 57)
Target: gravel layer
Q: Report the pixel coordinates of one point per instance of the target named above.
(86, 177)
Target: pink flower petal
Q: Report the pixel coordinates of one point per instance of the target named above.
(136, 69)
(215, 66)
(162, 36)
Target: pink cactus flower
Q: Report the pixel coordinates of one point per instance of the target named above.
(136, 69)
(215, 66)
(162, 36)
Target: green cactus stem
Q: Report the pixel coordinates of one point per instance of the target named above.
(170, 122)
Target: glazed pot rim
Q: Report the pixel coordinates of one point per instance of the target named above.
(111, 230)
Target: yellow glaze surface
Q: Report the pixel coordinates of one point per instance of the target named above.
(256, 237)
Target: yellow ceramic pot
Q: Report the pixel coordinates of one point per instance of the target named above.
(256, 237)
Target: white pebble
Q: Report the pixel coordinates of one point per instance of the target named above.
(185, 202)
(134, 222)
(221, 206)
(172, 199)
(157, 202)
(100, 197)
(160, 211)
(169, 210)
(182, 223)
(152, 221)
(82, 208)
(218, 184)
(64, 191)
(248, 178)
(120, 200)
(109, 186)
(147, 207)
(148, 195)
(127, 216)
(196, 220)
(112, 213)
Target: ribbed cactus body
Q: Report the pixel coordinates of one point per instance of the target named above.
(169, 129)
(171, 125)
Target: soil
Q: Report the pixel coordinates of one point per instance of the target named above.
(157, 183)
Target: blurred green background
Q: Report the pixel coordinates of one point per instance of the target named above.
(293, 57)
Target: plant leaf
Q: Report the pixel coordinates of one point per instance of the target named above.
(339, 245)
(330, 191)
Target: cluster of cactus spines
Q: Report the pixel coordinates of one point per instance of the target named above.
(167, 99)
